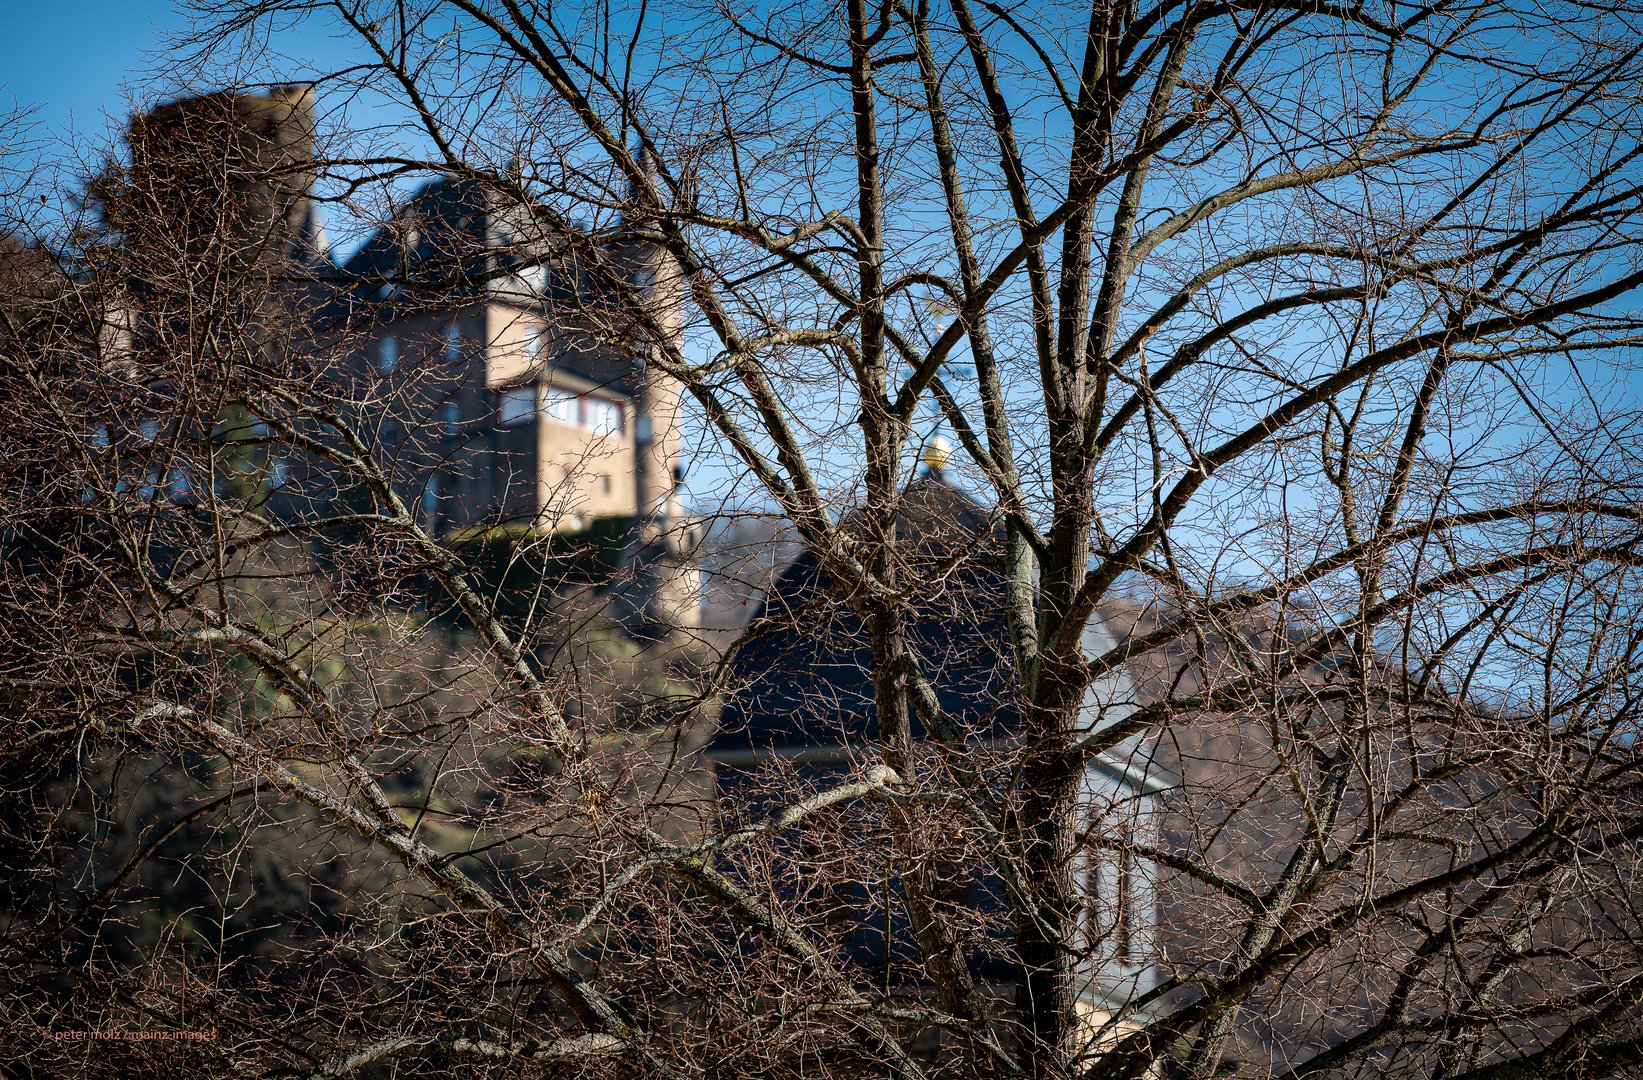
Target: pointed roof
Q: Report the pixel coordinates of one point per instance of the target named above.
(805, 680)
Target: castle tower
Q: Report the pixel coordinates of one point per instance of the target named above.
(657, 465)
(223, 179)
(660, 587)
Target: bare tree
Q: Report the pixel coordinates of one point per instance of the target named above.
(1286, 345)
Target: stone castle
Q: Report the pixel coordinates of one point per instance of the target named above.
(497, 358)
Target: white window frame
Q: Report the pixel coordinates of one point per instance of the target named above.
(603, 416)
(562, 406)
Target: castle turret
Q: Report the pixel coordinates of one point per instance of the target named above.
(658, 467)
(661, 586)
(227, 174)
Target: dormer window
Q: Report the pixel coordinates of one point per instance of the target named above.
(531, 280)
(1122, 898)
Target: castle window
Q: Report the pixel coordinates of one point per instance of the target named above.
(450, 417)
(516, 405)
(604, 417)
(453, 341)
(641, 430)
(180, 485)
(537, 278)
(562, 406)
(533, 342)
(387, 354)
(430, 499)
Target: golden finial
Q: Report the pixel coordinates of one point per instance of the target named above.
(937, 453)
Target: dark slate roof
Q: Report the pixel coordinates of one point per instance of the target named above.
(443, 249)
(805, 681)
(448, 258)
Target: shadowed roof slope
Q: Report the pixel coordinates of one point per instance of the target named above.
(806, 679)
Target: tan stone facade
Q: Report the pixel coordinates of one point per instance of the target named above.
(541, 420)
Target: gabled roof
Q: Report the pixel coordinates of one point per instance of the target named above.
(805, 680)
(803, 687)
(439, 236)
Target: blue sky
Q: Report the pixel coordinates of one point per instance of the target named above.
(70, 60)
(78, 64)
